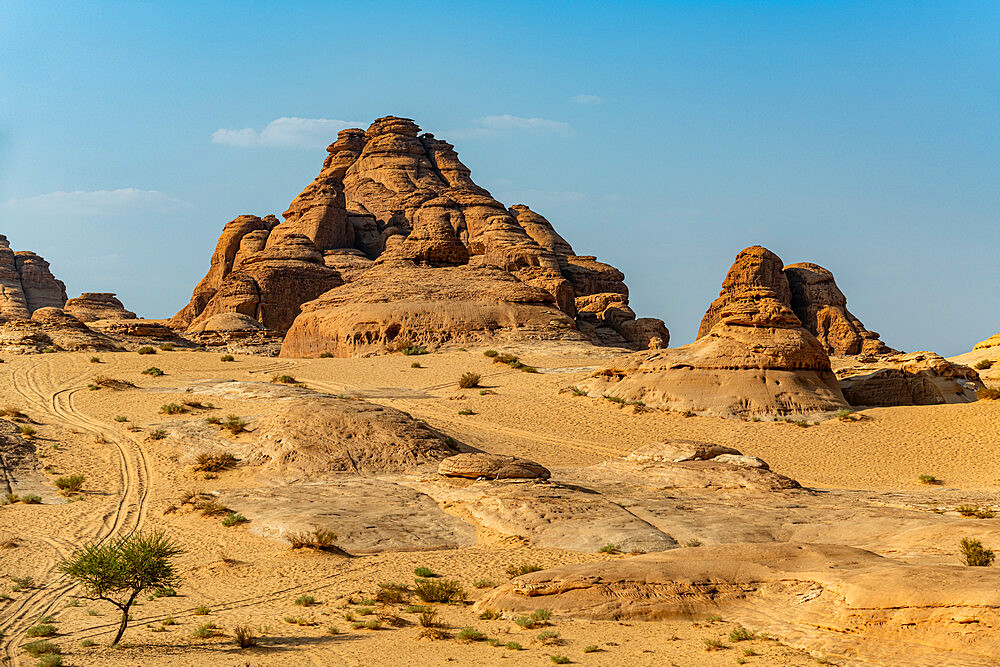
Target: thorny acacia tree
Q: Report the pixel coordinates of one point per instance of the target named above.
(120, 569)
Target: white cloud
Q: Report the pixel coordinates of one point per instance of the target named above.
(286, 132)
(124, 201)
(490, 126)
(589, 100)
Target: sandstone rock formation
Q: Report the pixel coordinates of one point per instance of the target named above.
(51, 329)
(822, 308)
(319, 435)
(850, 601)
(398, 204)
(474, 465)
(26, 283)
(752, 356)
(984, 358)
(92, 306)
(917, 378)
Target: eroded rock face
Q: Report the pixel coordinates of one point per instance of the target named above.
(822, 309)
(92, 306)
(26, 283)
(752, 356)
(399, 300)
(917, 378)
(392, 194)
(491, 466)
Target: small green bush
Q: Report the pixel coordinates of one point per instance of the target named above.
(70, 483)
(490, 353)
(305, 600)
(591, 649)
(470, 635)
(469, 380)
(121, 418)
(483, 583)
(202, 611)
(466, 412)
(741, 634)
(40, 630)
(204, 631)
(172, 409)
(234, 519)
(168, 347)
(95, 360)
(424, 572)
(157, 434)
(490, 615)
(560, 659)
(227, 357)
(153, 371)
(929, 479)
(50, 660)
(41, 647)
(284, 379)
(984, 364)
(416, 364)
(31, 499)
(326, 355)
(234, 424)
(430, 590)
(146, 349)
(975, 554)
(26, 430)
(611, 549)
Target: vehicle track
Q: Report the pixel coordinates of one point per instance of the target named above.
(35, 386)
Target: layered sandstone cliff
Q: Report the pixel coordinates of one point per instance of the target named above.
(26, 284)
(399, 204)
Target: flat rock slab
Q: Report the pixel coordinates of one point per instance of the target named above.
(845, 601)
(548, 515)
(368, 515)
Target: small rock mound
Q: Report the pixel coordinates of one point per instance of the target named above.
(491, 466)
(319, 435)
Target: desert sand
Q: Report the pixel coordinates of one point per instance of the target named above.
(866, 472)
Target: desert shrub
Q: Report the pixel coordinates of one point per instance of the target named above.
(196, 405)
(244, 636)
(577, 391)
(332, 630)
(284, 379)
(528, 369)
(984, 364)
(513, 646)
(469, 380)
(121, 418)
(172, 409)
(215, 421)
(201, 610)
(95, 360)
(591, 649)
(560, 659)
(305, 600)
(31, 499)
(40, 630)
(430, 590)
(206, 462)
(26, 431)
(146, 349)
(168, 347)
(157, 434)
(326, 355)
(929, 479)
(23, 583)
(466, 412)
(392, 594)
(483, 583)
(41, 647)
(424, 572)
(741, 634)
(505, 358)
(227, 357)
(490, 353)
(70, 483)
(153, 371)
(713, 645)
(610, 549)
(13, 414)
(119, 569)
(318, 539)
(988, 394)
(693, 543)
(234, 519)
(490, 615)
(164, 592)
(212, 508)
(974, 553)
(548, 637)
(416, 364)
(518, 570)
(204, 631)
(470, 635)
(234, 424)
(413, 350)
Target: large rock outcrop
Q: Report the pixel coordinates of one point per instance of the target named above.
(26, 283)
(752, 356)
(93, 306)
(917, 378)
(822, 308)
(405, 204)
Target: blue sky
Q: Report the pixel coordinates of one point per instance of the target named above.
(662, 137)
